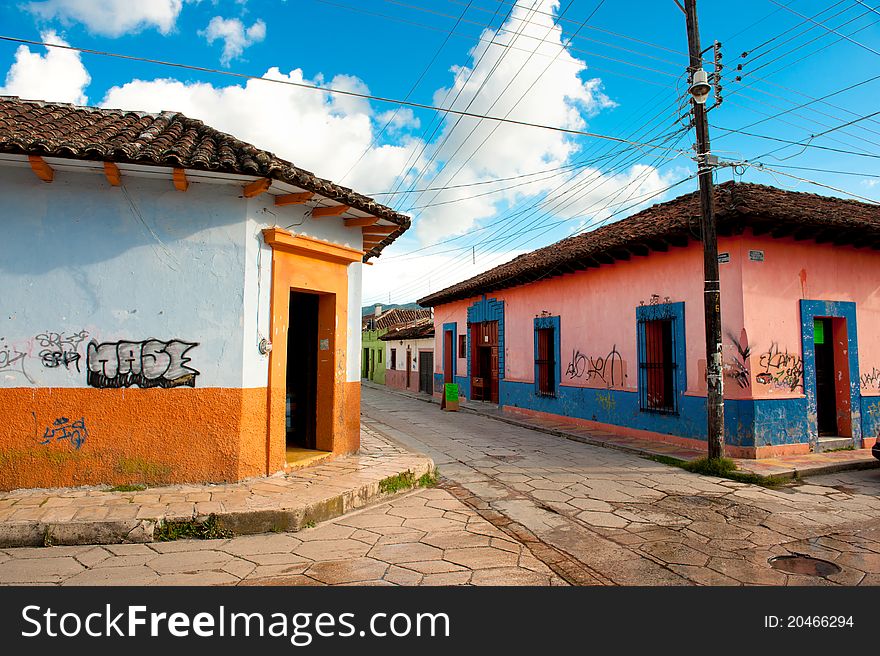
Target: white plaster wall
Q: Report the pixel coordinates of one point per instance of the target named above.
(415, 345)
(78, 255)
(257, 298)
(355, 296)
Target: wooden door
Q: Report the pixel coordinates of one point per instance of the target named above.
(448, 354)
(494, 368)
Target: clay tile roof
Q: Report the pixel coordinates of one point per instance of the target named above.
(398, 316)
(675, 223)
(421, 329)
(31, 127)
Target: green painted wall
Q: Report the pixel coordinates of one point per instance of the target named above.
(373, 355)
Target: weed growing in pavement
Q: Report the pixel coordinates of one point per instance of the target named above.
(403, 481)
(208, 529)
(310, 524)
(407, 480)
(127, 488)
(723, 468)
(429, 479)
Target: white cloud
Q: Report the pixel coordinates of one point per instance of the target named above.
(58, 75)
(320, 132)
(111, 17)
(501, 80)
(870, 183)
(235, 36)
(409, 278)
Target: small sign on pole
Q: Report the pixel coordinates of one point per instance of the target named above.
(450, 397)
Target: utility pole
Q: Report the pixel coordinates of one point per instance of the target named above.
(712, 290)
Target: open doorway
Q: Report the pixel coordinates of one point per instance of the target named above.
(833, 403)
(302, 373)
(484, 361)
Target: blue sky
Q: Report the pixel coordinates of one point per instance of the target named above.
(620, 75)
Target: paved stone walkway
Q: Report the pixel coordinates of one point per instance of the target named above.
(426, 537)
(811, 464)
(632, 521)
(95, 515)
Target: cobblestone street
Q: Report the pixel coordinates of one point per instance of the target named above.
(516, 507)
(628, 520)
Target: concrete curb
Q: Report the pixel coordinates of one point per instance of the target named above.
(241, 522)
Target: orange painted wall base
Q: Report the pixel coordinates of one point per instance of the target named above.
(134, 435)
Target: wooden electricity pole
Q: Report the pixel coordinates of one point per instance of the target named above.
(712, 288)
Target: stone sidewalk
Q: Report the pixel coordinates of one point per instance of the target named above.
(424, 537)
(283, 502)
(810, 464)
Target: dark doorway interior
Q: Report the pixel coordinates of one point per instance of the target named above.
(448, 355)
(302, 370)
(826, 405)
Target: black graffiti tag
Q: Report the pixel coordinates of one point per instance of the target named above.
(150, 363)
(738, 368)
(870, 380)
(608, 369)
(781, 368)
(60, 350)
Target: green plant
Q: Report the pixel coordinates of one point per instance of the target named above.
(208, 529)
(403, 481)
(429, 479)
(47, 537)
(309, 524)
(723, 468)
(127, 488)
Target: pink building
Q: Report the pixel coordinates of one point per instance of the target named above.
(606, 328)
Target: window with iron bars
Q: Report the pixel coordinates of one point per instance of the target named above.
(394, 358)
(657, 366)
(545, 362)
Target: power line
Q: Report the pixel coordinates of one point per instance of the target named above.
(376, 138)
(315, 87)
(838, 127)
(763, 167)
(493, 68)
(825, 27)
(795, 143)
(521, 97)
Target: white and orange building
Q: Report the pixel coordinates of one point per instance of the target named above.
(177, 305)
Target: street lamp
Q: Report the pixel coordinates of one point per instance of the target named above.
(700, 87)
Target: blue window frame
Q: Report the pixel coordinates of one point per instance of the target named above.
(661, 352)
(547, 367)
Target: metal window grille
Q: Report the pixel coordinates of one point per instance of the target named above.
(657, 366)
(546, 362)
(462, 346)
(394, 358)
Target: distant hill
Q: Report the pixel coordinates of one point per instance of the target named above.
(370, 309)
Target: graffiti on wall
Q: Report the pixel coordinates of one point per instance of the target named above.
(12, 360)
(607, 370)
(781, 369)
(58, 349)
(871, 380)
(150, 363)
(62, 429)
(738, 367)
